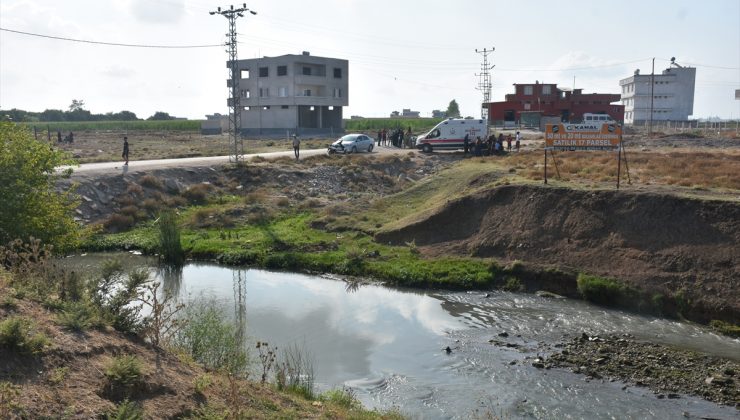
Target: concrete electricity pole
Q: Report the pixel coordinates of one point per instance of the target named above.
(484, 83)
(236, 145)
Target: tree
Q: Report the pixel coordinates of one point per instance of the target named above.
(159, 115)
(52, 115)
(29, 203)
(453, 110)
(77, 104)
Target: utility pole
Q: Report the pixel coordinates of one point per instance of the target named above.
(652, 90)
(484, 83)
(236, 145)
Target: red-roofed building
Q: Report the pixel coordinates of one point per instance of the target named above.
(547, 100)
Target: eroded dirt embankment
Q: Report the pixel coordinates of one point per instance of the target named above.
(674, 246)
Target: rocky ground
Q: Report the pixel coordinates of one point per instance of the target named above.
(668, 371)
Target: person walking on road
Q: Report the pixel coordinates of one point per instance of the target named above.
(466, 144)
(124, 155)
(296, 146)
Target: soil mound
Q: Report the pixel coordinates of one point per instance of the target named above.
(659, 243)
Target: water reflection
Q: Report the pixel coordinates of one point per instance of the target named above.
(239, 278)
(171, 276)
(388, 344)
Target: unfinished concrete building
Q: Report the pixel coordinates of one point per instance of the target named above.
(301, 94)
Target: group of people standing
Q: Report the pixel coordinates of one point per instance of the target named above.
(396, 138)
(491, 146)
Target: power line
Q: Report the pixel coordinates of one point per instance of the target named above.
(115, 44)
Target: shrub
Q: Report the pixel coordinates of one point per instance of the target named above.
(78, 316)
(134, 189)
(198, 193)
(58, 375)
(118, 223)
(344, 397)
(115, 295)
(151, 205)
(513, 284)
(31, 265)
(124, 374)
(604, 291)
(209, 338)
(726, 328)
(202, 383)
(170, 247)
(131, 211)
(19, 334)
(126, 410)
(31, 205)
(151, 181)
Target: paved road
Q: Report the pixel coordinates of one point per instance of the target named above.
(109, 168)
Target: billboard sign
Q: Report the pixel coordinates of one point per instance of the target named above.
(588, 136)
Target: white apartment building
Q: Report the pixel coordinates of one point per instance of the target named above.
(672, 91)
(303, 94)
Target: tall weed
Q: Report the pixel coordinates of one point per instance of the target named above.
(211, 339)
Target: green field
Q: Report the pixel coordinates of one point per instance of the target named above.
(144, 125)
(417, 124)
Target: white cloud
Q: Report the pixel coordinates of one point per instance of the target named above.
(167, 12)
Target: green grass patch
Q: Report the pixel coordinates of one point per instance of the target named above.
(418, 125)
(725, 328)
(606, 291)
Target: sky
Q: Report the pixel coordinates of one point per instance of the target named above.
(402, 54)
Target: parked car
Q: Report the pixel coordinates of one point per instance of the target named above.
(352, 143)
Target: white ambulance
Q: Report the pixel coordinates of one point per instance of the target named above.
(450, 134)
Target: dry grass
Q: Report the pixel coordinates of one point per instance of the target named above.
(198, 193)
(151, 181)
(711, 170)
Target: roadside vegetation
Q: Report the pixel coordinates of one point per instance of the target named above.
(29, 204)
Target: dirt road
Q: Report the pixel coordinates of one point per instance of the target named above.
(111, 168)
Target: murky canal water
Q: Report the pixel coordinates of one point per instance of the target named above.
(388, 345)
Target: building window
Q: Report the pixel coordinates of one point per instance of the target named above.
(337, 73)
(284, 106)
(282, 70)
(307, 92)
(528, 90)
(546, 89)
(527, 106)
(282, 92)
(244, 74)
(264, 72)
(264, 92)
(306, 71)
(266, 107)
(246, 108)
(337, 93)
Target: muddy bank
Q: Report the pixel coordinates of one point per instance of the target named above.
(668, 371)
(664, 246)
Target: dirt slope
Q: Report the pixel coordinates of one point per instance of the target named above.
(657, 243)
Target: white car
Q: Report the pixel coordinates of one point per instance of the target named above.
(352, 143)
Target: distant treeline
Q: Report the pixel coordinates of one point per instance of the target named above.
(76, 114)
(368, 124)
